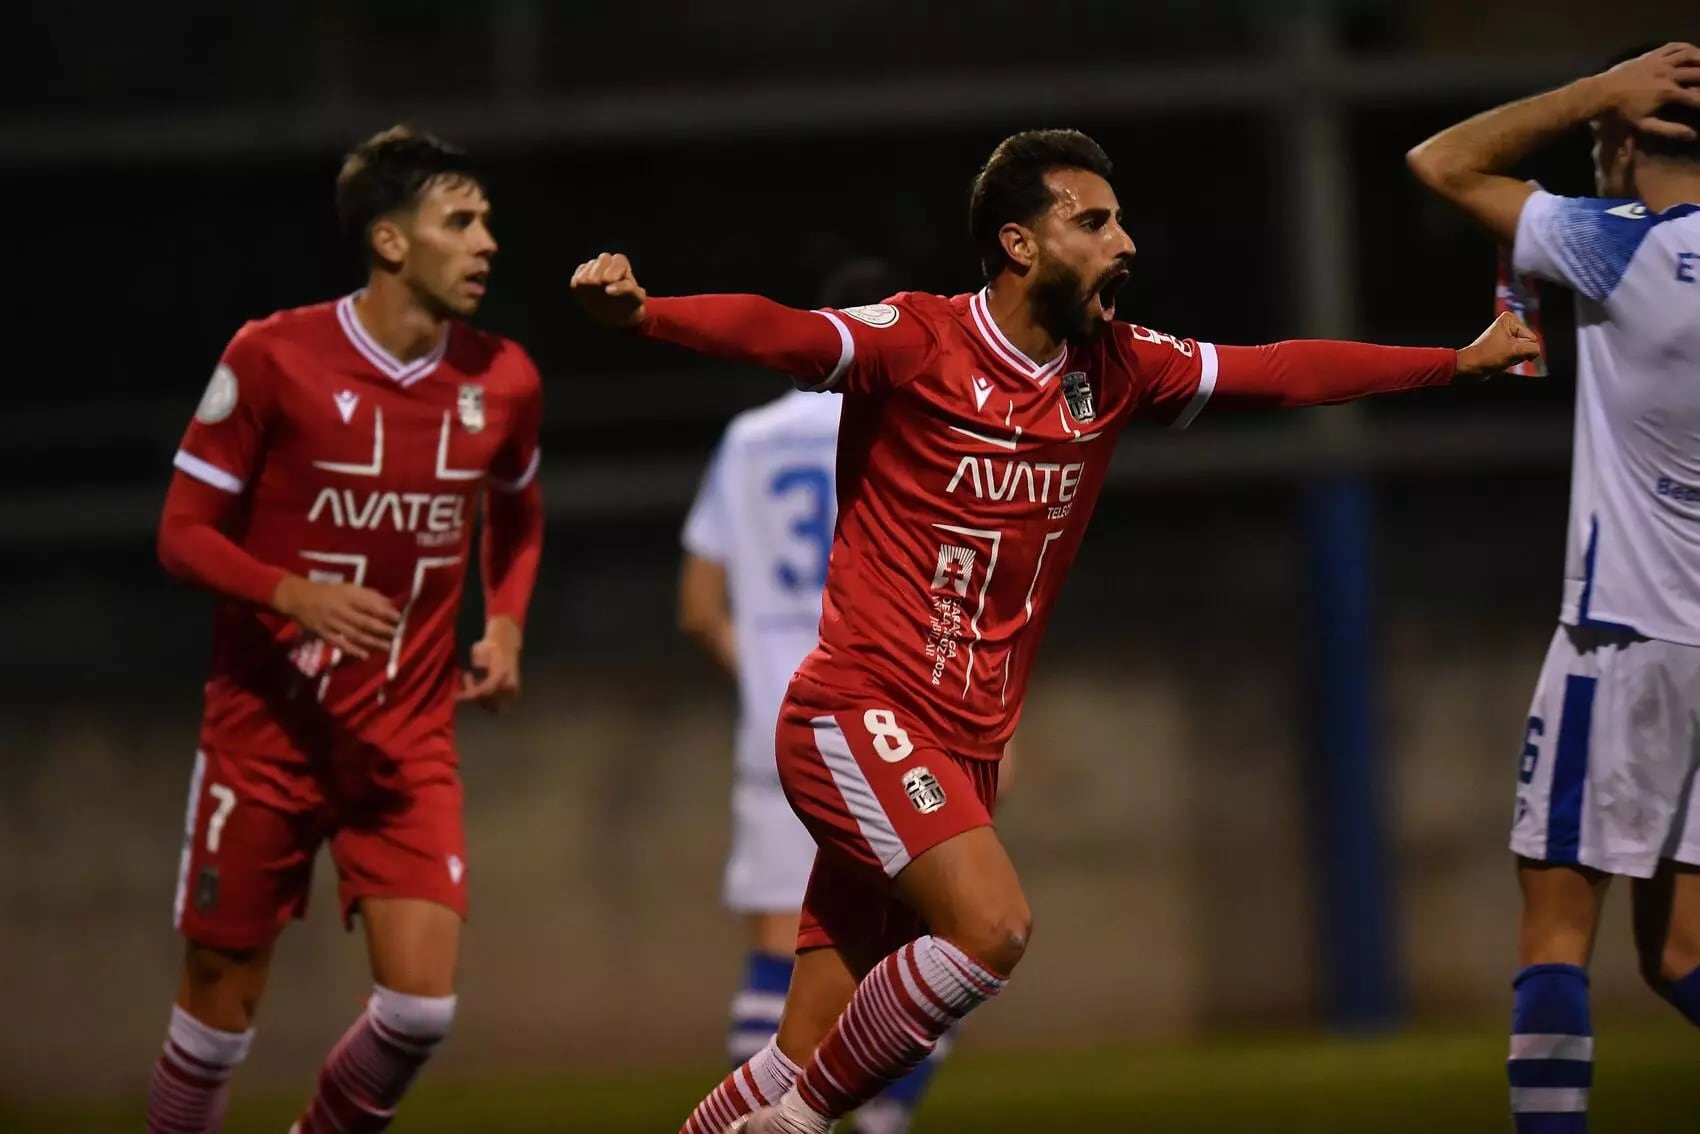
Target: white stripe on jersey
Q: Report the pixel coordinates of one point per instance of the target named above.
(206, 472)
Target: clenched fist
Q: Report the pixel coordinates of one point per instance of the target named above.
(608, 291)
(1503, 345)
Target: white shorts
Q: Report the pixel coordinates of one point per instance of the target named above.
(772, 852)
(1610, 753)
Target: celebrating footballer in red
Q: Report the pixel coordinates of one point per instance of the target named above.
(326, 492)
(975, 437)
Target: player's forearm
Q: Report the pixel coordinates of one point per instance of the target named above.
(512, 549)
(200, 554)
(748, 328)
(1310, 372)
(192, 547)
(1493, 142)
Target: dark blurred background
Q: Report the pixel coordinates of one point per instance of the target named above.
(1268, 757)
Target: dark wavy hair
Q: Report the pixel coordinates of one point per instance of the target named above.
(388, 173)
(1011, 187)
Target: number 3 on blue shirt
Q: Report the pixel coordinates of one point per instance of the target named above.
(813, 528)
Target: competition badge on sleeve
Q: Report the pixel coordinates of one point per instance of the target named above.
(1518, 295)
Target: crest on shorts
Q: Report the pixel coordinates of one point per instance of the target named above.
(1078, 392)
(206, 888)
(923, 790)
(472, 407)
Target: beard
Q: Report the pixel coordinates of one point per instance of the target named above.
(1060, 297)
(1062, 301)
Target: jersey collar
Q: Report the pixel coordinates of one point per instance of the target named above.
(1000, 345)
(404, 373)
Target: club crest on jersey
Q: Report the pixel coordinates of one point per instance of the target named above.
(924, 790)
(472, 407)
(1078, 393)
(873, 314)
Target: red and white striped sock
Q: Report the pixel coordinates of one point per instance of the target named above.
(760, 1082)
(189, 1092)
(899, 1012)
(374, 1063)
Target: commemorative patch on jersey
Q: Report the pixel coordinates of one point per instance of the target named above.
(472, 407)
(220, 397)
(1077, 391)
(956, 564)
(873, 314)
(924, 790)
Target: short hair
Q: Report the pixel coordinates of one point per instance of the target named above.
(859, 280)
(388, 173)
(1011, 187)
(1657, 145)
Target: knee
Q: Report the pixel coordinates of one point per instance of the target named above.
(1664, 967)
(998, 939)
(221, 988)
(424, 1020)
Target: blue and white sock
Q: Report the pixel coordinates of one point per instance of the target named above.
(756, 1008)
(894, 1109)
(1552, 1050)
(1685, 994)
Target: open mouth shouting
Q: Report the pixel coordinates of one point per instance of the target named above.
(1105, 296)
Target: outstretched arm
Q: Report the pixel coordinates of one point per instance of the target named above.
(742, 328)
(804, 345)
(1311, 372)
(863, 349)
(1468, 163)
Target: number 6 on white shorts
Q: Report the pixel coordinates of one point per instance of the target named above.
(890, 741)
(215, 823)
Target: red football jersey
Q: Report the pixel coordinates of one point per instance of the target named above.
(966, 477)
(354, 466)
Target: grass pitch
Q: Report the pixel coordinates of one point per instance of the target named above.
(1648, 1082)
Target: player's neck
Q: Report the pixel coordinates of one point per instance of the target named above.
(1663, 184)
(395, 319)
(1012, 311)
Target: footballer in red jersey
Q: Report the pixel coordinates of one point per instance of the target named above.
(975, 436)
(326, 492)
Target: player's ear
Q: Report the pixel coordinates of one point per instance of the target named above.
(389, 241)
(1020, 244)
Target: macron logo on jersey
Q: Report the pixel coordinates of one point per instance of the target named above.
(982, 391)
(346, 400)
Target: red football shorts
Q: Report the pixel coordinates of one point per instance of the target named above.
(254, 826)
(874, 793)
